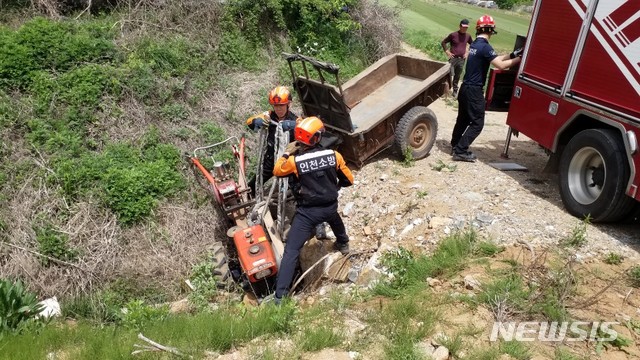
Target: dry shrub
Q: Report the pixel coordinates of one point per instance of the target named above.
(380, 29)
(158, 253)
(191, 18)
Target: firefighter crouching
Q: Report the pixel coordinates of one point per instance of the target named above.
(321, 172)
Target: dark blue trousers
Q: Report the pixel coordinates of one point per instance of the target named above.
(470, 119)
(303, 226)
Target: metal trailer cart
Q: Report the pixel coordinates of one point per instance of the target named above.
(384, 105)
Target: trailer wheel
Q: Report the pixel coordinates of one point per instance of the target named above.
(220, 266)
(417, 130)
(593, 176)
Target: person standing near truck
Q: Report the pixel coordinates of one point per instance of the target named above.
(471, 102)
(321, 172)
(457, 52)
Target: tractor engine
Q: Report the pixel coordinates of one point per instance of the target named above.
(255, 253)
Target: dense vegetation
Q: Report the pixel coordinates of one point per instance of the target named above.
(97, 106)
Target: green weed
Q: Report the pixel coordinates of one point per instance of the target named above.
(578, 236)
(54, 244)
(41, 44)
(405, 322)
(634, 276)
(454, 344)
(105, 306)
(427, 43)
(314, 338)
(562, 353)
(505, 296)
(407, 157)
(516, 350)
(488, 248)
(411, 270)
(422, 194)
(17, 305)
(613, 259)
(489, 353)
(216, 331)
(403, 349)
(442, 166)
(136, 314)
(174, 113)
(205, 283)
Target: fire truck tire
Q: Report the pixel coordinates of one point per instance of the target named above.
(417, 130)
(220, 266)
(594, 172)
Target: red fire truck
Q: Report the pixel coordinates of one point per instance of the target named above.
(577, 94)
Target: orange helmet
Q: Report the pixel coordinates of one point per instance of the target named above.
(309, 131)
(486, 24)
(280, 95)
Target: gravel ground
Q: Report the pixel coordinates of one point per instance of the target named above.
(415, 206)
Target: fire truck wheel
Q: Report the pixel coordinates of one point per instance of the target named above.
(220, 266)
(417, 131)
(594, 172)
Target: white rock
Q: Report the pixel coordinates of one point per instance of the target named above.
(392, 231)
(471, 283)
(51, 308)
(438, 222)
(406, 229)
(441, 353)
(426, 348)
(346, 211)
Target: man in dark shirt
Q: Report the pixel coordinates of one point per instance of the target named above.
(471, 102)
(457, 51)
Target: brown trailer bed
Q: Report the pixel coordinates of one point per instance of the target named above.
(385, 104)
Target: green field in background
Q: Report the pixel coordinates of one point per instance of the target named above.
(439, 18)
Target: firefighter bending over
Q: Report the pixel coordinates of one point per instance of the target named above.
(321, 172)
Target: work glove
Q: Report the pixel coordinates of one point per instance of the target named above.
(288, 125)
(292, 147)
(516, 53)
(259, 121)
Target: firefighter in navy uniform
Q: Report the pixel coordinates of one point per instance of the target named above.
(471, 102)
(280, 100)
(321, 172)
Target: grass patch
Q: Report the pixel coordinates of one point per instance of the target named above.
(407, 157)
(634, 276)
(314, 338)
(404, 322)
(578, 236)
(562, 353)
(442, 166)
(613, 259)
(533, 292)
(516, 350)
(411, 270)
(218, 331)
